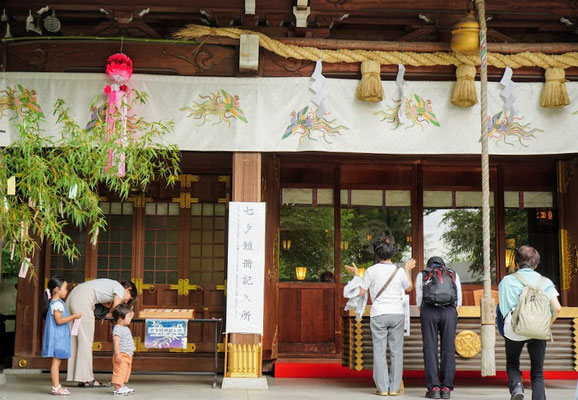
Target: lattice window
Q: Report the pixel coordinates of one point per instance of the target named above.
(161, 243)
(208, 235)
(73, 272)
(115, 244)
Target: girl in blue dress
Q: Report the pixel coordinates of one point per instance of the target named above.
(56, 340)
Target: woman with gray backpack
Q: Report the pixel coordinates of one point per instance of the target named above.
(529, 304)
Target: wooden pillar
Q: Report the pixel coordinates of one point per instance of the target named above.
(567, 196)
(247, 177)
(338, 294)
(271, 195)
(28, 326)
(500, 225)
(417, 221)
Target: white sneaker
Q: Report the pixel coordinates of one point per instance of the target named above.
(121, 392)
(129, 390)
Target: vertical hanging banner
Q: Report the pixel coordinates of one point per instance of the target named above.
(246, 267)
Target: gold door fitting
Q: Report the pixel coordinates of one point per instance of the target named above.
(183, 288)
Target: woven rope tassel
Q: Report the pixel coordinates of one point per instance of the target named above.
(465, 89)
(554, 94)
(370, 88)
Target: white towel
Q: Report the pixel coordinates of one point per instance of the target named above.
(356, 301)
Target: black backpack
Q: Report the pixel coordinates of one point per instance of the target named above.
(439, 286)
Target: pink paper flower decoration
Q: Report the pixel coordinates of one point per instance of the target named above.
(119, 67)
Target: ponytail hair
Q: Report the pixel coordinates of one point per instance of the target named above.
(55, 282)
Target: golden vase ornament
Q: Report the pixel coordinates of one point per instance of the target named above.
(466, 36)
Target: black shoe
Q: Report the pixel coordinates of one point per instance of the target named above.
(433, 393)
(446, 392)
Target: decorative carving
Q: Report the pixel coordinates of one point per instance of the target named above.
(566, 172)
(358, 345)
(39, 57)
(468, 344)
(568, 259)
(203, 59)
(575, 344)
(291, 65)
(275, 345)
(273, 272)
(338, 3)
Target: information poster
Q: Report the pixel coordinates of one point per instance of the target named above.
(166, 333)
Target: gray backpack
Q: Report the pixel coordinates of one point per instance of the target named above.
(532, 316)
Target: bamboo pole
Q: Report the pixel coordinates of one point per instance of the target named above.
(487, 311)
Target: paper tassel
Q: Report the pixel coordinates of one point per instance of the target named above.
(72, 192)
(318, 87)
(30, 26)
(94, 239)
(465, 89)
(508, 92)
(370, 88)
(554, 94)
(400, 82)
(5, 204)
(12, 248)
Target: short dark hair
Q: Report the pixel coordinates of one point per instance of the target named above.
(385, 247)
(121, 311)
(132, 288)
(435, 262)
(326, 276)
(527, 257)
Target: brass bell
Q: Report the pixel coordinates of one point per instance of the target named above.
(465, 36)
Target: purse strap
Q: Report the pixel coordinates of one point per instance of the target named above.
(386, 283)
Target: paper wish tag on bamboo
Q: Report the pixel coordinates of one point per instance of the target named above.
(75, 327)
(11, 183)
(24, 268)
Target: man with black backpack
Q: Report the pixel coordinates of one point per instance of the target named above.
(529, 304)
(438, 294)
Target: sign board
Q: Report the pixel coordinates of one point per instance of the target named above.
(166, 333)
(246, 267)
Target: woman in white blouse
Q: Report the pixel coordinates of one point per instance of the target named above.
(386, 283)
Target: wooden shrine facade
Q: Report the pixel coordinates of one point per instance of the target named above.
(174, 240)
(177, 236)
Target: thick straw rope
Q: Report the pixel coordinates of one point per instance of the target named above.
(525, 59)
(488, 330)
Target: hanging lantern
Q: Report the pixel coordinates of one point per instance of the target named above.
(344, 245)
(510, 257)
(465, 36)
(286, 244)
(361, 272)
(300, 273)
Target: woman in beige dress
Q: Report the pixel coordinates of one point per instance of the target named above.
(82, 299)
